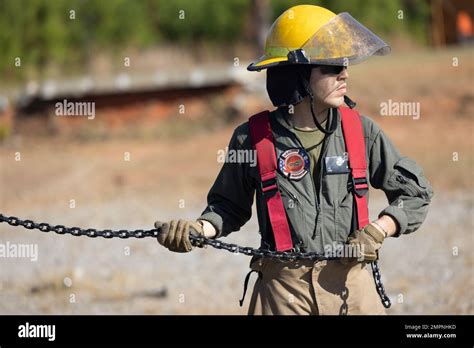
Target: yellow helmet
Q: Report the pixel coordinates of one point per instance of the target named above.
(308, 34)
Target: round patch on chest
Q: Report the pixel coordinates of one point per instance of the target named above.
(294, 163)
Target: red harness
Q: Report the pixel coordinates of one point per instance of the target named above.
(262, 142)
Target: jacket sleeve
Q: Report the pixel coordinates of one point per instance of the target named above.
(408, 191)
(230, 199)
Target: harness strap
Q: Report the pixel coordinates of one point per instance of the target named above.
(355, 144)
(246, 283)
(262, 142)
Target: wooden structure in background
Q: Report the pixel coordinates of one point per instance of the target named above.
(451, 22)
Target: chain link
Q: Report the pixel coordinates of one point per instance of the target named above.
(200, 241)
(77, 231)
(379, 286)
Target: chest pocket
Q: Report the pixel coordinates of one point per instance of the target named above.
(335, 180)
(338, 196)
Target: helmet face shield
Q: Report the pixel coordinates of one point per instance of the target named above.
(343, 41)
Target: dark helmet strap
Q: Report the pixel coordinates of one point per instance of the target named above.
(311, 96)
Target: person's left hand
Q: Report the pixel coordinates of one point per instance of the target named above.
(369, 240)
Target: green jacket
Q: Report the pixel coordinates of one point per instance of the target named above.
(326, 217)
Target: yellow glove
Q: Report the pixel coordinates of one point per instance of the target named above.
(174, 235)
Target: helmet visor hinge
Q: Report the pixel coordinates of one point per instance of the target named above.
(298, 56)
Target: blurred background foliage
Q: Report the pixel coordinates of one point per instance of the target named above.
(67, 32)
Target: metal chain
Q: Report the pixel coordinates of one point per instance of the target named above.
(199, 241)
(379, 286)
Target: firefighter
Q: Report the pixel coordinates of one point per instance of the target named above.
(315, 197)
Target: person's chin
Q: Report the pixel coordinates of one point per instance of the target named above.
(335, 102)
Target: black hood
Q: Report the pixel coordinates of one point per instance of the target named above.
(285, 84)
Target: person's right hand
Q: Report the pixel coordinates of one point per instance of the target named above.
(174, 235)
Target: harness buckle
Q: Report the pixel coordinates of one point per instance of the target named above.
(269, 186)
(359, 185)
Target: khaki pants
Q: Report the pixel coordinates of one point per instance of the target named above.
(321, 288)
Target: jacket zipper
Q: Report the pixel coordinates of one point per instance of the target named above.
(316, 194)
(311, 174)
(320, 174)
(411, 188)
(291, 194)
(312, 182)
(320, 180)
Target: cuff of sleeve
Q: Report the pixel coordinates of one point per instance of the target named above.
(215, 220)
(399, 216)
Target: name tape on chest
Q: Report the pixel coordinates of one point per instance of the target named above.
(337, 164)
